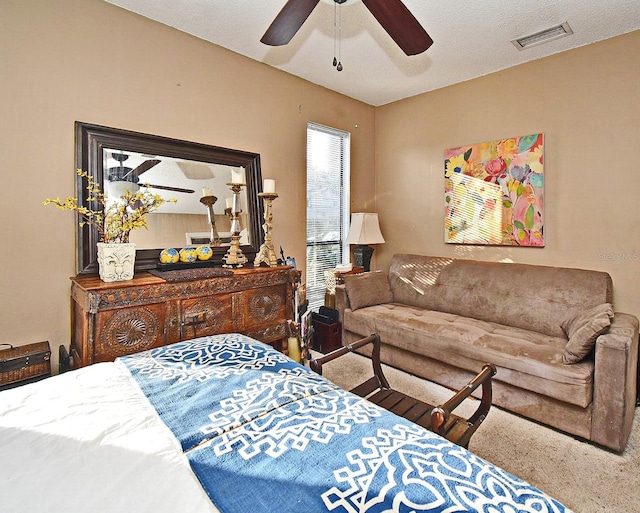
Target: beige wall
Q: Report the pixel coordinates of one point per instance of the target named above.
(586, 102)
(86, 60)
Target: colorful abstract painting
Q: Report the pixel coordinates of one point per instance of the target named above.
(494, 192)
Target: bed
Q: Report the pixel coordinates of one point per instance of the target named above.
(228, 424)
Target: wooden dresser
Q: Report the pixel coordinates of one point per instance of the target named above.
(113, 319)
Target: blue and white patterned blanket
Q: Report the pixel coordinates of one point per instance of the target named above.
(265, 434)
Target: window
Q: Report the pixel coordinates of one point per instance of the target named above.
(328, 173)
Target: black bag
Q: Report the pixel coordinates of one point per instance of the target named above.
(330, 314)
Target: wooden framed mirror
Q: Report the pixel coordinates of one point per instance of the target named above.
(176, 169)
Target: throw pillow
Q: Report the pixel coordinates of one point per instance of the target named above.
(583, 329)
(367, 289)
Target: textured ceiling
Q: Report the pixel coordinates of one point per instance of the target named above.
(471, 39)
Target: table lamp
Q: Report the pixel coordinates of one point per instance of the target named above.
(364, 230)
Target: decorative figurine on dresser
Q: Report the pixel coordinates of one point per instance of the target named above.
(114, 319)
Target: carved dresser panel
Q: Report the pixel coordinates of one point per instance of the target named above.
(113, 319)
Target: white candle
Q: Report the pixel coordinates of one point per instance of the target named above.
(229, 202)
(206, 191)
(237, 176)
(269, 185)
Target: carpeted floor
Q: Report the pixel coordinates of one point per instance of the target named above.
(582, 476)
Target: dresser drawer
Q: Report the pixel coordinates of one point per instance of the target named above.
(204, 316)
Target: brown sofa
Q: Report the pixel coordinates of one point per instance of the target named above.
(563, 357)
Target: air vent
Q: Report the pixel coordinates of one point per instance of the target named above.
(543, 37)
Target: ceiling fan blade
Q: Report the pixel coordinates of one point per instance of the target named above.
(400, 24)
(134, 173)
(167, 188)
(145, 166)
(288, 22)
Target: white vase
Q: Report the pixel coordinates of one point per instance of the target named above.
(116, 261)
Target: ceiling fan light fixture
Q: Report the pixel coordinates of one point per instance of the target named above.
(345, 2)
(543, 36)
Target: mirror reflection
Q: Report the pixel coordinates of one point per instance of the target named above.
(196, 175)
(199, 188)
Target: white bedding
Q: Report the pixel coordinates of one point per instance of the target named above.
(89, 441)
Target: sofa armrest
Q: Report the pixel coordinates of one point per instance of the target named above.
(614, 382)
(342, 301)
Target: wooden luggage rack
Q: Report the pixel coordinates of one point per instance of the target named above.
(438, 419)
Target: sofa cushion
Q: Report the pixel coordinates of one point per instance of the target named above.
(525, 359)
(367, 289)
(583, 329)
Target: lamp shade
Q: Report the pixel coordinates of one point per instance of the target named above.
(365, 229)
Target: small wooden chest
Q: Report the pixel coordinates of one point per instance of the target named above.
(24, 364)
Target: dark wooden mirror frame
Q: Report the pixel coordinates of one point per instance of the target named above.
(90, 141)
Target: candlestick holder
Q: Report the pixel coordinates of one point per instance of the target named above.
(234, 256)
(208, 201)
(267, 253)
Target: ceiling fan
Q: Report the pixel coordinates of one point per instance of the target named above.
(132, 175)
(393, 15)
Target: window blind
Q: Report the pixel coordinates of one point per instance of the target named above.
(328, 170)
